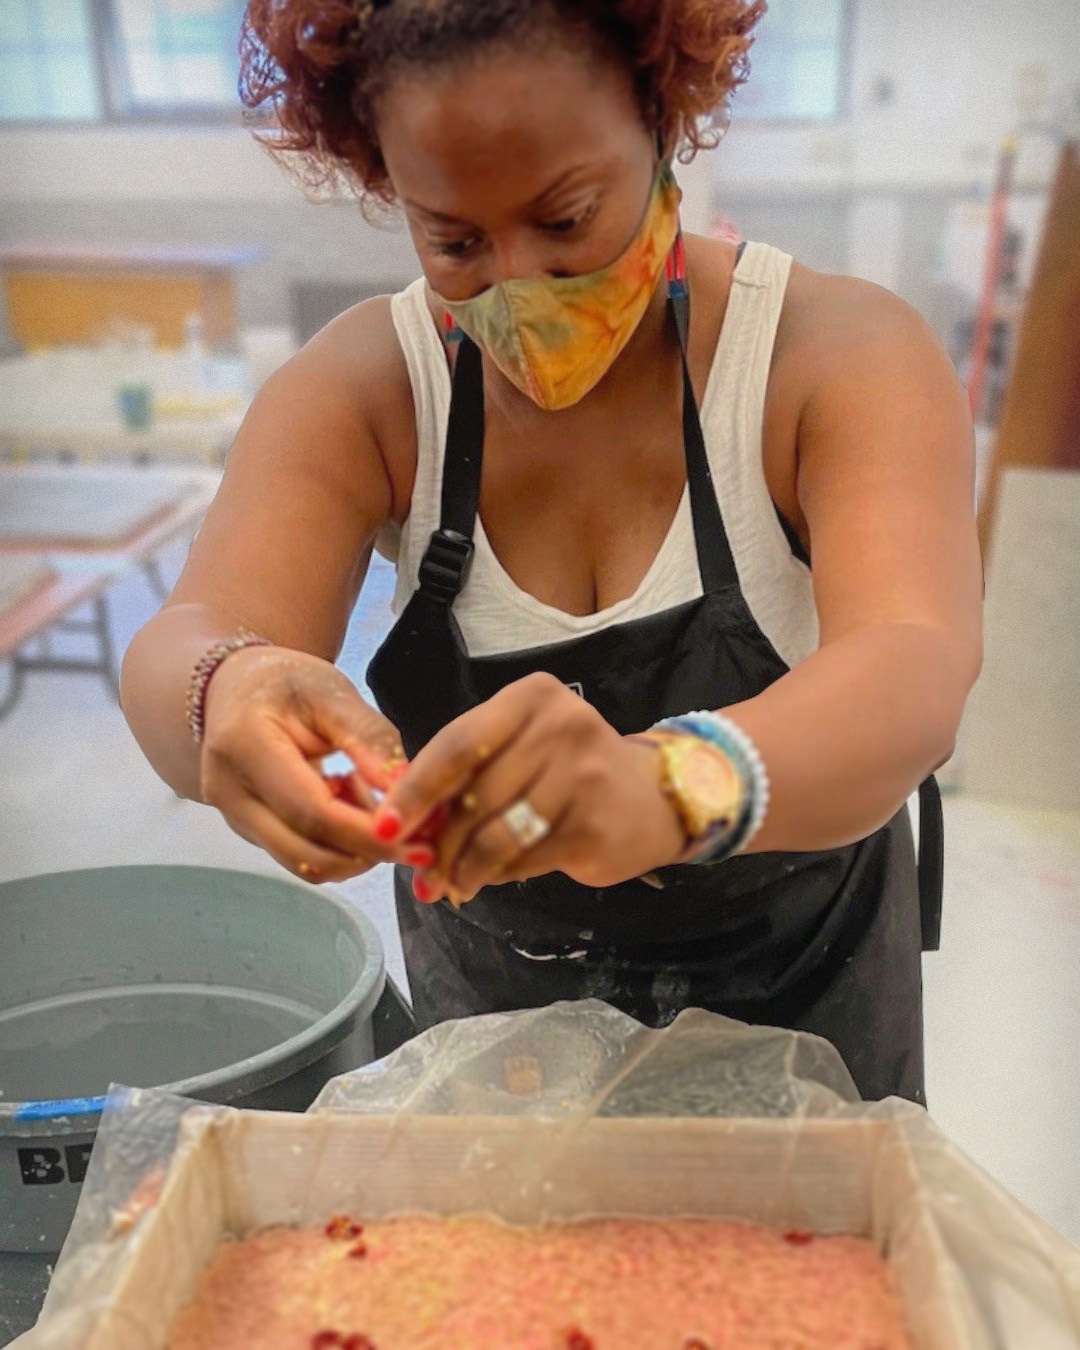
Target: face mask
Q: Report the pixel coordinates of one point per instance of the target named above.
(555, 338)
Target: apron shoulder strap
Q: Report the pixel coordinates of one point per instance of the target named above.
(715, 559)
(931, 865)
(450, 549)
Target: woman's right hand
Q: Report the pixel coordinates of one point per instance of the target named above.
(272, 716)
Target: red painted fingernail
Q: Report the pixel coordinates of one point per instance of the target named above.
(423, 890)
(388, 825)
(420, 857)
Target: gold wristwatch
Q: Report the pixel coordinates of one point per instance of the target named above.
(703, 785)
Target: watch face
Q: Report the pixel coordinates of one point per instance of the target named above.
(709, 780)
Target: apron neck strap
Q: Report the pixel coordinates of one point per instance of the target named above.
(450, 549)
(464, 442)
(716, 562)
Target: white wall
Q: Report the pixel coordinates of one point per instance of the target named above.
(220, 164)
(957, 68)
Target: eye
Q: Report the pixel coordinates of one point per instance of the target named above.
(455, 248)
(570, 224)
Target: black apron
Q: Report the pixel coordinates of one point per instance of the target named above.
(826, 942)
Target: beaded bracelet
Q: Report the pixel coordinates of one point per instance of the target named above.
(204, 671)
(722, 732)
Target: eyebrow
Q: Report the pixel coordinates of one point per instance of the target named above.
(443, 218)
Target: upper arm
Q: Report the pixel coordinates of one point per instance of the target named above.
(285, 545)
(886, 472)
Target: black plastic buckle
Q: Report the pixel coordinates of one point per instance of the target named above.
(443, 568)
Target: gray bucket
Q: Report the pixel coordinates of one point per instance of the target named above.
(226, 986)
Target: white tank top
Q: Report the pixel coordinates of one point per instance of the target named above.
(496, 616)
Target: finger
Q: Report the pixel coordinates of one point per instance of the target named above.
(452, 758)
(296, 792)
(334, 717)
(496, 845)
(369, 739)
(418, 853)
(351, 789)
(255, 822)
(496, 786)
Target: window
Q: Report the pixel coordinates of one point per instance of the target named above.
(176, 54)
(85, 60)
(47, 70)
(798, 63)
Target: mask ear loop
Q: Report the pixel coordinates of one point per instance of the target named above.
(675, 265)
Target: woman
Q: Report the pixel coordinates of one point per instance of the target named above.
(602, 504)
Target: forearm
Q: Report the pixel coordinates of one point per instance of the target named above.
(850, 733)
(154, 684)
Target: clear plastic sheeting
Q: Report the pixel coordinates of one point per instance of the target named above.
(587, 1059)
(563, 1112)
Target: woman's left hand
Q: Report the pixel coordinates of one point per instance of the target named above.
(539, 742)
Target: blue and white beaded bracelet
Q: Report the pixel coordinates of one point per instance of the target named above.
(722, 732)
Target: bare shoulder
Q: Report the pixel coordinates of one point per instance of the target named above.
(859, 379)
(362, 344)
(832, 322)
(356, 361)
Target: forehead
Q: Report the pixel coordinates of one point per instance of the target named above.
(506, 125)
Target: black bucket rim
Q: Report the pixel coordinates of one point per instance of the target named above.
(260, 1070)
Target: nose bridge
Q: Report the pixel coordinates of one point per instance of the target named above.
(518, 253)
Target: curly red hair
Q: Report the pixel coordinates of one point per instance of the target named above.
(322, 65)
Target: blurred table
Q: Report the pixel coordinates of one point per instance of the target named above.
(64, 402)
(65, 293)
(67, 533)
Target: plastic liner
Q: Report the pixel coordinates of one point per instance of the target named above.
(569, 1111)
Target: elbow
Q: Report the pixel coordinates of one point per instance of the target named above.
(129, 672)
(957, 681)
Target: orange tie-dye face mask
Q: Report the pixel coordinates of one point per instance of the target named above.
(555, 338)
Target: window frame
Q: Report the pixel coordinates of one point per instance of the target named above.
(106, 57)
(845, 94)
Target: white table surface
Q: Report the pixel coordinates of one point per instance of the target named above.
(196, 487)
(65, 400)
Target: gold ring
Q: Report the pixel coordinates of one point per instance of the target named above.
(526, 824)
(469, 802)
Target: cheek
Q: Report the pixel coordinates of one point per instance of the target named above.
(612, 234)
(452, 280)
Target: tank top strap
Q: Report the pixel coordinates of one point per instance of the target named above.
(776, 583)
(429, 378)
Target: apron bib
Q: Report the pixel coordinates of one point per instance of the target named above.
(825, 942)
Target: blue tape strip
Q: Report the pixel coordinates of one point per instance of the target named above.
(66, 1106)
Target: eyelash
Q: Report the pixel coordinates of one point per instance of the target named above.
(458, 250)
